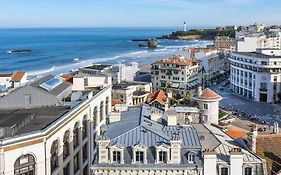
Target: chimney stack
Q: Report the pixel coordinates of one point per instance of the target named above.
(252, 139)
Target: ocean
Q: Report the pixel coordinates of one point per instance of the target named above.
(60, 50)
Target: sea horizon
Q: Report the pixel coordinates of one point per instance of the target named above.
(59, 50)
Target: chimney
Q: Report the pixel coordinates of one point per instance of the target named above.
(199, 90)
(275, 128)
(210, 162)
(252, 139)
(175, 150)
(103, 150)
(236, 161)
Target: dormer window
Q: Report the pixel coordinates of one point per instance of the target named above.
(191, 158)
(224, 171)
(162, 157)
(116, 156)
(139, 155)
(248, 171)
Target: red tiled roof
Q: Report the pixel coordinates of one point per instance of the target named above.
(17, 76)
(178, 61)
(236, 132)
(269, 148)
(208, 94)
(68, 78)
(158, 96)
(5, 75)
(115, 101)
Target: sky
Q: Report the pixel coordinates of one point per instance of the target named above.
(137, 13)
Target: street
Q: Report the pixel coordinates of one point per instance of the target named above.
(231, 102)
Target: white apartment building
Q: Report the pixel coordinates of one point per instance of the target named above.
(175, 74)
(249, 42)
(13, 80)
(51, 138)
(212, 62)
(256, 75)
(118, 72)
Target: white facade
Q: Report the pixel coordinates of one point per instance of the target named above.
(131, 94)
(122, 72)
(43, 152)
(249, 42)
(5, 80)
(256, 75)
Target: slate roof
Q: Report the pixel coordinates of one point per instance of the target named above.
(55, 91)
(136, 128)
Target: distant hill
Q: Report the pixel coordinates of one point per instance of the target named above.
(208, 34)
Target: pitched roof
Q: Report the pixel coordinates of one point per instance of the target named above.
(5, 75)
(158, 96)
(208, 94)
(17, 76)
(236, 132)
(115, 101)
(269, 147)
(68, 78)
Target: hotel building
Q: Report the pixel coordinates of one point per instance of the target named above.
(256, 75)
(46, 128)
(176, 75)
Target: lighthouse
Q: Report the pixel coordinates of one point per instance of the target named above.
(184, 27)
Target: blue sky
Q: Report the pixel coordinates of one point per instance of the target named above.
(136, 13)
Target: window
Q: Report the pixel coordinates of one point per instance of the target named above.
(54, 156)
(205, 106)
(25, 165)
(248, 171)
(139, 156)
(66, 144)
(116, 156)
(85, 152)
(76, 162)
(205, 118)
(106, 106)
(191, 158)
(95, 117)
(84, 128)
(224, 171)
(163, 156)
(66, 170)
(75, 136)
(27, 99)
(101, 111)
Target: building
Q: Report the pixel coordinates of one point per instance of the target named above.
(118, 72)
(158, 100)
(137, 144)
(225, 43)
(131, 93)
(176, 75)
(13, 80)
(256, 75)
(44, 131)
(213, 63)
(249, 42)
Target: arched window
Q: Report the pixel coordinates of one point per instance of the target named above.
(95, 114)
(84, 128)
(76, 135)
(101, 111)
(66, 144)
(54, 155)
(25, 164)
(106, 105)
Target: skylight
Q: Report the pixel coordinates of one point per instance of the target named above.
(51, 83)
